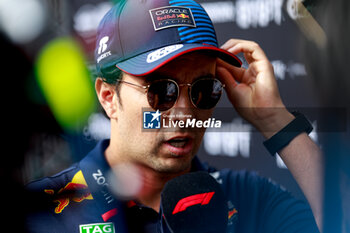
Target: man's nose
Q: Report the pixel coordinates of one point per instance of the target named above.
(184, 100)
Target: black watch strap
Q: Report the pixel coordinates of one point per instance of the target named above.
(282, 138)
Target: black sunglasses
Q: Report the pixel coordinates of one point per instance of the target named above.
(162, 94)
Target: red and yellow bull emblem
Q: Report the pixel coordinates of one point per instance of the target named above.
(76, 190)
(183, 16)
(231, 213)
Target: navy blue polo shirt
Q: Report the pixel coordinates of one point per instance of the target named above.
(78, 200)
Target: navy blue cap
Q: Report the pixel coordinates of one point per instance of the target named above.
(139, 36)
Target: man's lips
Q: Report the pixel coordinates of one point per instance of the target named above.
(179, 145)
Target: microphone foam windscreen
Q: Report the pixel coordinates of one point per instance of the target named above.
(194, 203)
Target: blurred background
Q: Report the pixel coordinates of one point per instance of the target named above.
(52, 116)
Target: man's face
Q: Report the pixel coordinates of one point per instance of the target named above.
(162, 150)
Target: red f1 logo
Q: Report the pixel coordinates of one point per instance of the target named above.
(184, 203)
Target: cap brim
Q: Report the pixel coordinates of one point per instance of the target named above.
(146, 63)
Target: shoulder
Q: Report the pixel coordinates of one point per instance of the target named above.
(53, 182)
(64, 201)
(251, 188)
(243, 180)
(235, 182)
(264, 202)
(50, 193)
(56, 200)
(59, 189)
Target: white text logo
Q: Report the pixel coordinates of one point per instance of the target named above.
(160, 53)
(107, 227)
(103, 44)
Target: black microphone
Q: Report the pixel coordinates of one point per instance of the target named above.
(194, 203)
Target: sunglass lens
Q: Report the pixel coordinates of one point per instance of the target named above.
(206, 93)
(162, 94)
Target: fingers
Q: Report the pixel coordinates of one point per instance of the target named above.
(259, 65)
(243, 75)
(255, 56)
(251, 50)
(235, 72)
(253, 87)
(225, 77)
(230, 84)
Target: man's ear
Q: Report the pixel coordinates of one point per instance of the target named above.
(107, 96)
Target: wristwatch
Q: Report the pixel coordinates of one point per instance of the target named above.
(283, 137)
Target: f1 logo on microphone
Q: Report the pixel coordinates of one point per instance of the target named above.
(184, 203)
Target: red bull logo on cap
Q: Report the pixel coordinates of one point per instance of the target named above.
(76, 190)
(172, 16)
(183, 16)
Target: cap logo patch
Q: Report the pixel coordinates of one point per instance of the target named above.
(102, 48)
(160, 53)
(172, 16)
(103, 44)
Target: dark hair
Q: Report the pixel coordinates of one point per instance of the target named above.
(112, 75)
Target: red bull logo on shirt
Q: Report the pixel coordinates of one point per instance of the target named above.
(231, 213)
(76, 190)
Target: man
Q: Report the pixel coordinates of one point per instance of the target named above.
(163, 55)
